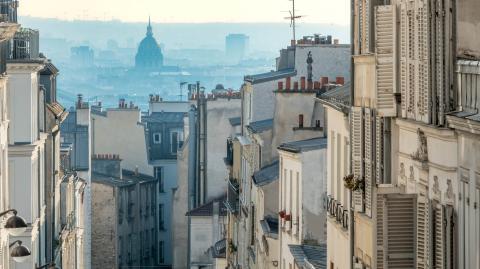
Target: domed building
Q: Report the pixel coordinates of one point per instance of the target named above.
(149, 55)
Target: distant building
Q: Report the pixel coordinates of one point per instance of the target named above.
(124, 215)
(82, 56)
(236, 47)
(149, 55)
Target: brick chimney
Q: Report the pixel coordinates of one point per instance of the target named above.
(295, 85)
(288, 83)
(300, 121)
(280, 86)
(340, 80)
(302, 83)
(323, 81)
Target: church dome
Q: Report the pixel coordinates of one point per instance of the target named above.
(149, 55)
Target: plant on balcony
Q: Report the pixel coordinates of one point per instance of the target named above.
(353, 183)
(282, 214)
(288, 217)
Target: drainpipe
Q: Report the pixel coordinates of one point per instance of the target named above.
(352, 101)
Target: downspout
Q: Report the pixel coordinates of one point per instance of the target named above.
(352, 103)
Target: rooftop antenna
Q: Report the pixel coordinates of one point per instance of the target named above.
(183, 83)
(293, 17)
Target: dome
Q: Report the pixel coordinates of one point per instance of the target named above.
(219, 87)
(149, 55)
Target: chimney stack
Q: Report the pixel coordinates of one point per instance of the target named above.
(323, 81)
(336, 41)
(280, 85)
(79, 101)
(295, 85)
(136, 170)
(316, 85)
(340, 80)
(310, 85)
(302, 83)
(288, 83)
(292, 42)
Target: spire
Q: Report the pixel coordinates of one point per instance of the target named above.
(149, 27)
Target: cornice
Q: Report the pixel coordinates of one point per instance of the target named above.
(442, 133)
(462, 124)
(8, 30)
(24, 67)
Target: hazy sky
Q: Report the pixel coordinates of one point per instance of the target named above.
(320, 11)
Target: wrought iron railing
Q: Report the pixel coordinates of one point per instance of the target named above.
(232, 202)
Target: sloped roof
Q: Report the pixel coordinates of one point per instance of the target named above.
(304, 145)
(260, 126)
(266, 175)
(235, 121)
(219, 249)
(206, 210)
(270, 76)
(164, 117)
(306, 256)
(339, 98)
(58, 110)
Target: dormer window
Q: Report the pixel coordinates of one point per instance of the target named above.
(157, 138)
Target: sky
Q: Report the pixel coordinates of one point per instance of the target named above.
(315, 11)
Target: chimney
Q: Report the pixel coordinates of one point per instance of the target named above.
(280, 86)
(292, 42)
(79, 101)
(136, 170)
(295, 85)
(316, 85)
(288, 83)
(323, 81)
(340, 80)
(300, 121)
(310, 85)
(302, 83)
(107, 164)
(336, 41)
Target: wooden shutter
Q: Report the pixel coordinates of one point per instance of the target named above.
(379, 171)
(451, 238)
(368, 160)
(381, 221)
(385, 43)
(400, 232)
(423, 47)
(423, 232)
(403, 58)
(357, 153)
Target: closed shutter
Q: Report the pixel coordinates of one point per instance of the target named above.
(381, 220)
(423, 108)
(368, 160)
(385, 36)
(379, 170)
(360, 23)
(400, 235)
(357, 153)
(403, 58)
(451, 238)
(366, 27)
(440, 59)
(439, 239)
(423, 232)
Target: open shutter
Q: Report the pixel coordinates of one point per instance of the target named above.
(379, 170)
(381, 221)
(368, 160)
(400, 235)
(357, 153)
(423, 33)
(450, 238)
(439, 238)
(385, 43)
(423, 232)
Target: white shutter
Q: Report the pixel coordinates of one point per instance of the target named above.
(360, 24)
(423, 39)
(400, 232)
(379, 172)
(439, 239)
(385, 43)
(357, 153)
(451, 238)
(381, 220)
(403, 58)
(368, 160)
(439, 60)
(423, 232)
(366, 21)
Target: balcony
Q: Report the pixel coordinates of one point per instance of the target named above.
(229, 159)
(232, 202)
(336, 211)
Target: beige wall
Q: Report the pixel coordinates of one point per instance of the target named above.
(468, 28)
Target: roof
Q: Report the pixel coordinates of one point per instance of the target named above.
(266, 175)
(270, 76)
(219, 249)
(304, 145)
(49, 69)
(312, 257)
(260, 126)
(206, 210)
(58, 110)
(270, 226)
(338, 98)
(235, 121)
(129, 179)
(164, 117)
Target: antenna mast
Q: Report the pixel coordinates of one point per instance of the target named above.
(293, 17)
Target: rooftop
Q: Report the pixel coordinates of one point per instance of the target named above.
(266, 175)
(129, 178)
(304, 145)
(338, 98)
(270, 76)
(164, 117)
(219, 249)
(306, 256)
(206, 210)
(260, 126)
(235, 121)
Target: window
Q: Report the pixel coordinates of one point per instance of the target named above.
(157, 138)
(159, 177)
(161, 257)
(174, 142)
(160, 217)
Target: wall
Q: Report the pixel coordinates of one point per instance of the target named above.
(201, 230)
(104, 241)
(169, 106)
(218, 130)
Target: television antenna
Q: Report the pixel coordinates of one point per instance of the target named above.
(293, 18)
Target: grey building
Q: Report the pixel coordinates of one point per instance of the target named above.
(124, 219)
(236, 47)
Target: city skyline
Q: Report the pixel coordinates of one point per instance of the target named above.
(332, 12)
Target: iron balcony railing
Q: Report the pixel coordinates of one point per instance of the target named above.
(229, 158)
(337, 211)
(232, 202)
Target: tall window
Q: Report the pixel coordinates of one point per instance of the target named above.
(161, 223)
(161, 256)
(159, 177)
(176, 141)
(157, 138)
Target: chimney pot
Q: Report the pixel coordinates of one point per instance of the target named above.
(292, 42)
(288, 83)
(323, 81)
(310, 85)
(340, 80)
(300, 121)
(336, 41)
(302, 83)
(316, 85)
(280, 85)
(295, 85)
